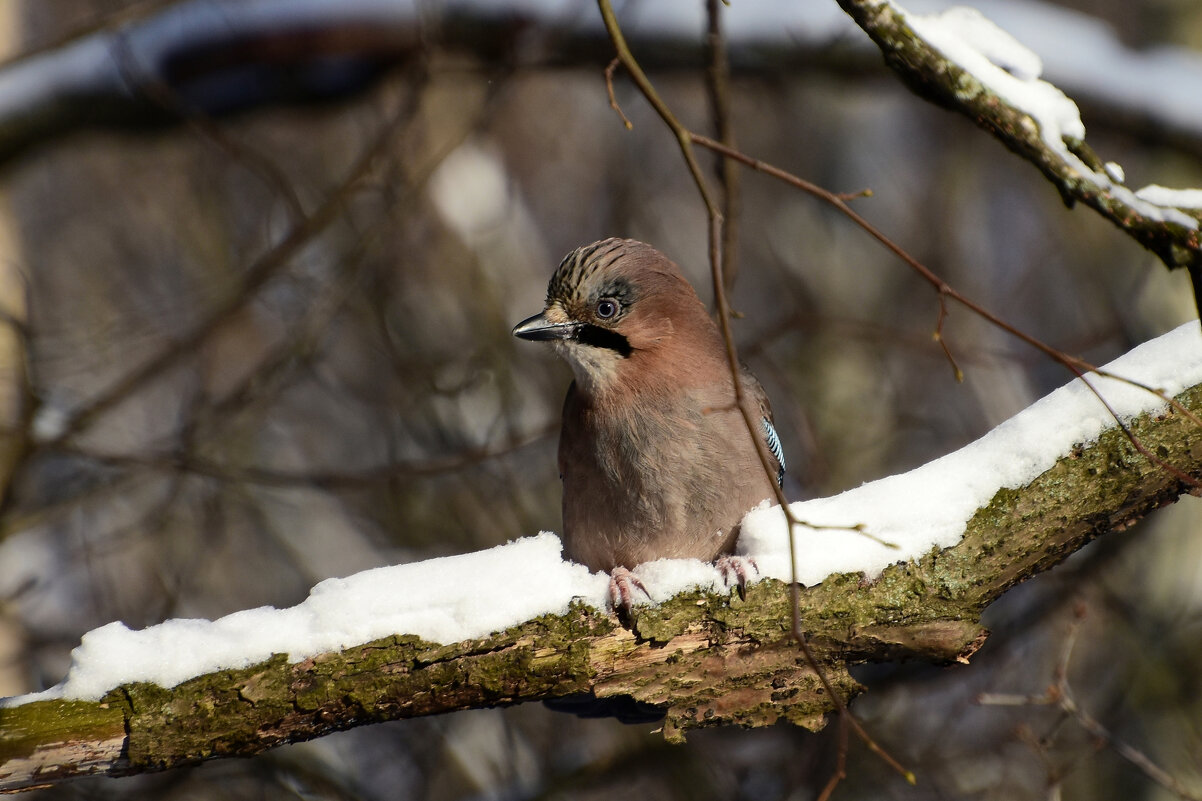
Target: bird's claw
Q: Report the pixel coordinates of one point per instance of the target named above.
(739, 568)
(622, 584)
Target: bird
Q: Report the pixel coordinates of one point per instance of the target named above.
(655, 458)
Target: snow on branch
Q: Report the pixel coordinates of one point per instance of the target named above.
(516, 623)
(154, 65)
(961, 60)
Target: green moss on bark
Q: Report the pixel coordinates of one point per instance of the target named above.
(25, 728)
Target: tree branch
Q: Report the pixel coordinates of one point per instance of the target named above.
(1074, 169)
(708, 660)
(209, 42)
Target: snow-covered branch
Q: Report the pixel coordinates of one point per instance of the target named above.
(211, 58)
(961, 60)
(517, 624)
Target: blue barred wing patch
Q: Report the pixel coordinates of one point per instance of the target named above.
(773, 442)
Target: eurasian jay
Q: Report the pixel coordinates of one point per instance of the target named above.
(655, 458)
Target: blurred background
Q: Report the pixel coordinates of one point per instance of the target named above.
(257, 280)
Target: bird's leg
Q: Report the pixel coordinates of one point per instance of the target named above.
(739, 568)
(622, 584)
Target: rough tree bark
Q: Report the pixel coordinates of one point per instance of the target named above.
(708, 660)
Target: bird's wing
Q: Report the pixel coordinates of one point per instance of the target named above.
(755, 391)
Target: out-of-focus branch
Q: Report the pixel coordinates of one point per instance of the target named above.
(186, 461)
(256, 276)
(708, 660)
(222, 56)
(210, 58)
(1061, 694)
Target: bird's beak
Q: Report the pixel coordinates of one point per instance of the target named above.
(539, 329)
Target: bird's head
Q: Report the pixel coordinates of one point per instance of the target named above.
(614, 302)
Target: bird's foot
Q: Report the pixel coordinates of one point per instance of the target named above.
(622, 585)
(737, 568)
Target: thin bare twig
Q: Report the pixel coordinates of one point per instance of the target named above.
(1078, 367)
(840, 771)
(943, 290)
(1061, 694)
(938, 336)
(609, 89)
(685, 139)
(717, 81)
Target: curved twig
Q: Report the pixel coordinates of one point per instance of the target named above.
(685, 139)
(1077, 366)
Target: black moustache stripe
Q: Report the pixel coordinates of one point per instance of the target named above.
(599, 337)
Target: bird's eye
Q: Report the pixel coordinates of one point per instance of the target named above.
(606, 309)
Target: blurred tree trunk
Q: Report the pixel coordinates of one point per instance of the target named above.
(14, 384)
